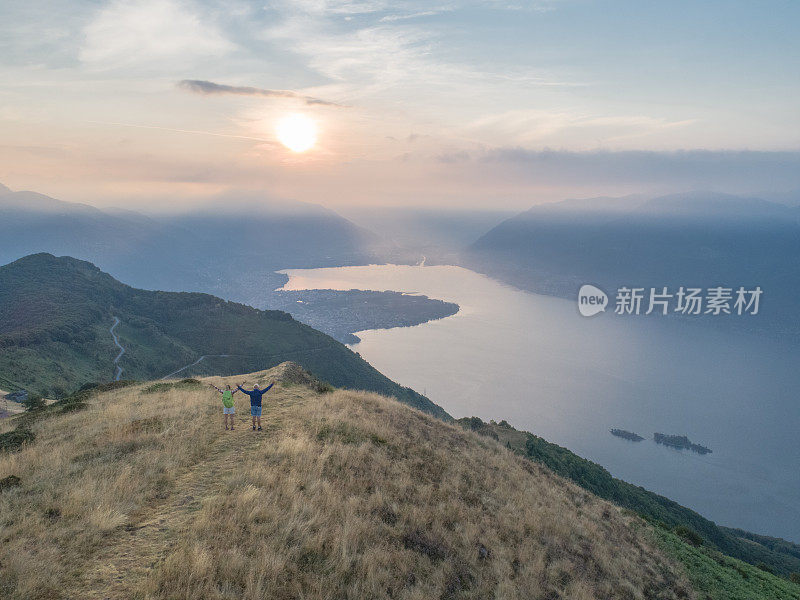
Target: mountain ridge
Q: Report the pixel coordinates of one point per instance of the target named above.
(554, 249)
(345, 494)
(55, 315)
(181, 251)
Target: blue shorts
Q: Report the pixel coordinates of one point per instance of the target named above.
(255, 411)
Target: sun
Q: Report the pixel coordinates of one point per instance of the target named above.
(297, 132)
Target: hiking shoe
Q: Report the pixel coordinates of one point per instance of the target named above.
(254, 427)
(259, 428)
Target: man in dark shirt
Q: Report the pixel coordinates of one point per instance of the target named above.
(255, 401)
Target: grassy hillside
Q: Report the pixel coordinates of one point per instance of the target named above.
(142, 494)
(720, 577)
(778, 555)
(55, 315)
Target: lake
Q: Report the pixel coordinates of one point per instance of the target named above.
(534, 361)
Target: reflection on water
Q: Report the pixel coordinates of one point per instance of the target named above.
(534, 361)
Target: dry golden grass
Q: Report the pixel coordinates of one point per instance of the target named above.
(344, 495)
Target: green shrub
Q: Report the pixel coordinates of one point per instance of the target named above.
(68, 407)
(323, 387)
(14, 440)
(475, 423)
(766, 568)
(689, 535)
(9, 482)
(113, 385)
(57, 392)
(33, 402)
(157, 387)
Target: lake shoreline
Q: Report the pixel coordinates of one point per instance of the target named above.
(534, 361)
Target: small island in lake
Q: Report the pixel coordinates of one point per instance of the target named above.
(680, 441)
(627, 435)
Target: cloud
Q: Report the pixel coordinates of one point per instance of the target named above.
(209, 87)
(454, 157)
(568, 128)
(337, 7)
(416, 15)
(391, 55)
(731, 170)
(190, 131)
(151, 33)
(38, 151)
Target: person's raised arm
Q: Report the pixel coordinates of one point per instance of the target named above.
(239, 387)
(266, 389)
(215, 387)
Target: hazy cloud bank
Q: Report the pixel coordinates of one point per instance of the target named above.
(735, 170)
(200, 86)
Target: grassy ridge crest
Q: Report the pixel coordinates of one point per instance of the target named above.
(142, 494)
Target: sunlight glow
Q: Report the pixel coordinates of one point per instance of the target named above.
(297, 132)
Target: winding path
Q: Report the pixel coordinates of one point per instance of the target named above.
(281, 354)
(121, 349)
(198, 361)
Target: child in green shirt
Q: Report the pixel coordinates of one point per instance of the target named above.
(227, 404)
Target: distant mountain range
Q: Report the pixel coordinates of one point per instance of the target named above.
(438, 235)
(231, 247)
(698, 239)
(56, 313)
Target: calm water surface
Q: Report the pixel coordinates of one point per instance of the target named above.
(534, 361)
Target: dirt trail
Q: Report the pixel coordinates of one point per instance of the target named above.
(197, 362)
(284, 355)
(120, 570)
(118, 374)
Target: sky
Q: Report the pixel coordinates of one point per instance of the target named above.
(459, 104)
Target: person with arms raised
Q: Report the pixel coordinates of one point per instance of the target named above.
(227, 404)
(255, 401)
